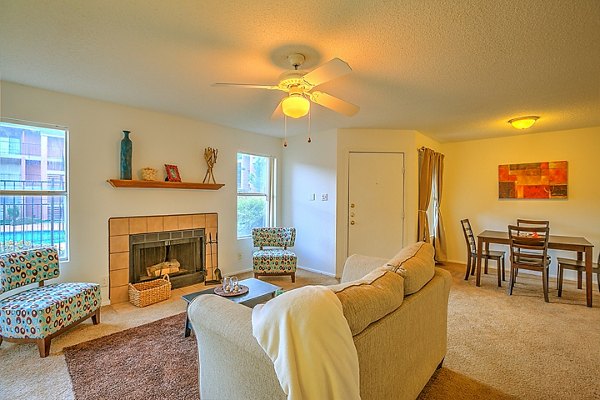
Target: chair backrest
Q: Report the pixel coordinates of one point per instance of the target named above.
(26, 267)
(469, 237)
(531, 222)
(273, 237)
(529, 245)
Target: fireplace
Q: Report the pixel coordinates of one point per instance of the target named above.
(179, 254)
(172, 233)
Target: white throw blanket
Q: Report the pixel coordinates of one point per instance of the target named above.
(305, 334)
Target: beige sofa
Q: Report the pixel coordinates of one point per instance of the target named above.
(397, 313)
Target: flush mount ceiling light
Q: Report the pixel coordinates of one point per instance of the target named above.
(523, 122)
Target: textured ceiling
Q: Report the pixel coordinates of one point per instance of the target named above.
(450, 69)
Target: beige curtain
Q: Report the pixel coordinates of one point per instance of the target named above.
(425, 180)
(439, 240)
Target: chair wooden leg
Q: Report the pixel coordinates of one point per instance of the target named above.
(560, 280)
(293, 277)
(44, 346)
(597, 276)
(503, 269)
(468, 267)
(511, 281)
(499, 272)
(485, 271)
(579, 280)
(0, 340)
(96, 317)
(545, 284)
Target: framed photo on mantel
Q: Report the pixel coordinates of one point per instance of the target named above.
(172, 173)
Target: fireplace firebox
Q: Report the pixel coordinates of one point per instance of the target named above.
(180, 254)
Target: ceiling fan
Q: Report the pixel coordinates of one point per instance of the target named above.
(299, 85)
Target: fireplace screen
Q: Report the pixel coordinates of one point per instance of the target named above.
(179, 254)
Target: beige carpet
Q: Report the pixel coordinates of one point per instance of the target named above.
(499, 346)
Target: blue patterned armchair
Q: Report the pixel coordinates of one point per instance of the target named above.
(41, 313)
(273, 256)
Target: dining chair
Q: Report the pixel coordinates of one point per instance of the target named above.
(529, 250)
(531, 222)
(498, 256)
(575, 265)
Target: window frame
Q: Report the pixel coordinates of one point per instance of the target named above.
(49, 193)
(270, 192)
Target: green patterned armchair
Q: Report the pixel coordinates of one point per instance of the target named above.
(40, 313)
(273, 256)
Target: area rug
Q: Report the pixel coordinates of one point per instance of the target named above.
(152, 361)
(155, 361)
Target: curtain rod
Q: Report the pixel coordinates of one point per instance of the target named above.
(426, 148)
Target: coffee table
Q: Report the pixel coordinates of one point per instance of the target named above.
(257, 289)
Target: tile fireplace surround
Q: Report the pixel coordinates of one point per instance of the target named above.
(120, 228)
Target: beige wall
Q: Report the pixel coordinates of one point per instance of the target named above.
(310, 168)
(94, 138)
(471, 185)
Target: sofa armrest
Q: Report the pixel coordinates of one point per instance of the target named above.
(232, 364)
(357, 266)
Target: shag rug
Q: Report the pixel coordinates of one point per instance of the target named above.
(155, 361)
(152, 361)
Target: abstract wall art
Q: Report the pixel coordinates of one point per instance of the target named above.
(541, 180)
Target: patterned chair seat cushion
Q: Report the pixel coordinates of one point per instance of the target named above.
(39, 312)
(274, 260)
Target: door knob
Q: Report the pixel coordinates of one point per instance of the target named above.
(352, 222)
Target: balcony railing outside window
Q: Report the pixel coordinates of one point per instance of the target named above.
(33, 187)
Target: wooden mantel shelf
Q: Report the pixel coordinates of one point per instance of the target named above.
(164, 185)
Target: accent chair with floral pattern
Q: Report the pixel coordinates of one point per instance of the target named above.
(273, 257)
(40, 313)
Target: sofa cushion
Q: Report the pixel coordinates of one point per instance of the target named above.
(369, 299)
(415, 264)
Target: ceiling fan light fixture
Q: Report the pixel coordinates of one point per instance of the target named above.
(295, 105)
(523, 122)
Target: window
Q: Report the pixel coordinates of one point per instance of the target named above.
(255, 186)
(33, 187)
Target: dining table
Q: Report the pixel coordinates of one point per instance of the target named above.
(569, 243)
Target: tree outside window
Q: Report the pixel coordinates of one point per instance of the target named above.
(254, 184)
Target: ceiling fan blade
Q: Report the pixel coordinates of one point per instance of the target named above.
(333, 103)
(247, 86)
(278, 113)
(328, 71)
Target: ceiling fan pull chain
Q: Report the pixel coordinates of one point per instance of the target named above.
(285, 130)
(309, 115)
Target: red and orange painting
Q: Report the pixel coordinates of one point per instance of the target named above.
(541, 180)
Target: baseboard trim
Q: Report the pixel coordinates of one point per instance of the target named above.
(241, 271)
(316, 271)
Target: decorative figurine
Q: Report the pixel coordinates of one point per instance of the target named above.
(210, 155)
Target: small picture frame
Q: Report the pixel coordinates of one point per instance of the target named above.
(172, 173)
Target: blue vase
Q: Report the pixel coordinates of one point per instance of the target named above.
(126, 149)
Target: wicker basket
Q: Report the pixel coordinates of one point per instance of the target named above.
(145, 293)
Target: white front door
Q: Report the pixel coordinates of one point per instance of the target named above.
(375, 203)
